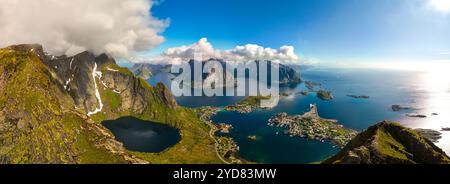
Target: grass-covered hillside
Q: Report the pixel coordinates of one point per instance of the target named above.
(390, 143)
(42, 121)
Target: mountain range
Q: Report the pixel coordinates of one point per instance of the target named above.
(287, 74)
(51, 109)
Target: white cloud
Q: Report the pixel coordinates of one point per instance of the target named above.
(188, 52)
(440, 5)
(205, 49)
(116, 27)
(256, 52)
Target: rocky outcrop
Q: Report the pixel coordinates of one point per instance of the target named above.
(389, 143)
(324, 95)
(129, 89)
(164, 93)
(289, 75)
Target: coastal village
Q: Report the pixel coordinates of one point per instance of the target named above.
(310, 125)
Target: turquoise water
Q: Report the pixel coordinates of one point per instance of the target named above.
(385, 88)
(143, 136)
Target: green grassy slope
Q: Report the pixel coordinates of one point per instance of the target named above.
(40, 124)
(390, 143)
(37, 121)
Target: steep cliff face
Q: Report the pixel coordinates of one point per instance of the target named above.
(389, 143)
(289, 75)
(51, 106)
(164, 93)
(38, 119)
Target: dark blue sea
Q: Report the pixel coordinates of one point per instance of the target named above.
(427, 93)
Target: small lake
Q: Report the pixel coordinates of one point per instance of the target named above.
(143, 136)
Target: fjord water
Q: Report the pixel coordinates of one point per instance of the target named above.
(143, 136)
(425, 92)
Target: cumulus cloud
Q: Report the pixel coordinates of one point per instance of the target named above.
(116, 27)
(187, 52)
(256, 52)
(205, 49)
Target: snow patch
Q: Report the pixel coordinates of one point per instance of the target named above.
(71, 63)
(95, 74)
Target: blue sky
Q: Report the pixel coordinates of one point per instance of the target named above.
(324, 30)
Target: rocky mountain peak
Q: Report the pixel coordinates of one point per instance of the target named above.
(390, 143)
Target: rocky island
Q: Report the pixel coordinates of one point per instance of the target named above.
(359, 96)
(310, 125)
(224, 128)
(304, 93)
(248, 104)
(429, 134)
(397, 108)
(444, 129)
(416, 115)
(311, 85)
(252, 137)
(325, 95)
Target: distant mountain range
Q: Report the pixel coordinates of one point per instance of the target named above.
(287, 74)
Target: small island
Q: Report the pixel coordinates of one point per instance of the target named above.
(252, 137)
(285, 94)
(311, 85)
(359, 96)
(325, 95)
(224, 128)
(304, 93)
(310, 125)
(429, 134)
(397, 108)
(416, 115)
(248, 104)
(445, 129)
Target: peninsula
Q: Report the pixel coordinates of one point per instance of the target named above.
(310, 125)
